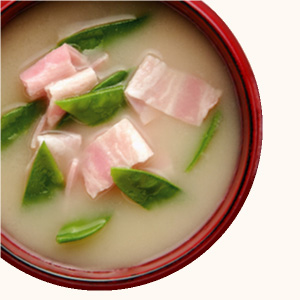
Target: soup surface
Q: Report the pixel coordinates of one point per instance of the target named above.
(134, 235)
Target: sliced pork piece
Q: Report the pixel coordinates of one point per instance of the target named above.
(64, 146)
(56, 65)
(38, 130)
(75, 85)
(120, 146)
(177, 94)
(72, 176)
(145, 112)
(98, 62)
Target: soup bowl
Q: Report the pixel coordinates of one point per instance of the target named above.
(228, 48)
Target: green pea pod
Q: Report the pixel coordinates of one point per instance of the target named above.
(144, 188)
(112, 80)
(89, 38)
(44, 179)
(118, 29)
(95, 108)
(18, 121)
(206, 138)
(80, 229)
(93, 37)
(66, 119)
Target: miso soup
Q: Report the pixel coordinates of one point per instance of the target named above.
(134, 234)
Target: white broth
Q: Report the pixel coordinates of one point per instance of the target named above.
(133, 235)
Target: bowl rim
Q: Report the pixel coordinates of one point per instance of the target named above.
(234, 57)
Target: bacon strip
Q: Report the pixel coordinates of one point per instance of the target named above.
(120, 146)
(56, 65)
(183, 96)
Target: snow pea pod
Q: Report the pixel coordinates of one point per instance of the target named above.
(82, 228)
(95, 108)
(206, 138)
(112, 80)
(145, 188)
(18, 121)
(44, 179)
(99, 35)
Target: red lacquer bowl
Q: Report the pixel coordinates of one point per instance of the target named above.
(233, 56)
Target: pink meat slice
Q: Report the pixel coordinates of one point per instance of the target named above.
(99, 62)
(120, 146)
(56, 65)
(72, 176)
(145, 112)
(177, 94)
(75, 85)
(38, 130)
